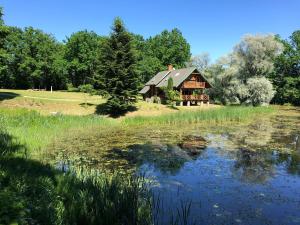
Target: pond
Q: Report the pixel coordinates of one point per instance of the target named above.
(227, 174)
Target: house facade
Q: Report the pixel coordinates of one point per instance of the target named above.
(188, 81)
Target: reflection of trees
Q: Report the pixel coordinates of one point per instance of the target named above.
(166, 157)
(253, 166)
(277, 132)
(259, 166)
(256, 135)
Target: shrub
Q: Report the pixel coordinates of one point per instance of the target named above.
(260, 91)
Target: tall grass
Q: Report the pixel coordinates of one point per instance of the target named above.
(220, 115)
(36, 131)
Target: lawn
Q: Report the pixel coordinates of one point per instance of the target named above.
(73, 103)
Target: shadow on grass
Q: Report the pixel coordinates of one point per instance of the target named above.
(8, 95)
(104, 109)
(87, 104)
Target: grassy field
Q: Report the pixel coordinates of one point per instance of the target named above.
(73, 103)
(45, 102)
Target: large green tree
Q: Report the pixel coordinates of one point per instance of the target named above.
(31, 56)
(118, 65)
(170, 47)
(82, 53)
(5, 77)
(286, 76)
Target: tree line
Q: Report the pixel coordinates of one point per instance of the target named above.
(31, 58)
(260, 69)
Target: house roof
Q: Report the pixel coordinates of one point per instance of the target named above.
(178, 76)
(144, 90)
(157, 78)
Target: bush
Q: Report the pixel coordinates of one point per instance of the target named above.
(71, 88)
(260, 91)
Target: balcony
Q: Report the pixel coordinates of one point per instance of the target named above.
(193, 84)
(202, 97)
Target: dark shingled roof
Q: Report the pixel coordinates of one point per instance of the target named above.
(157, 78)
(144, 90)
(178, 76)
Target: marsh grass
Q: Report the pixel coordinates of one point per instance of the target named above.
(37, 131)
(215, 116)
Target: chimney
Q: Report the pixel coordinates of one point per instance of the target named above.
(170, 67)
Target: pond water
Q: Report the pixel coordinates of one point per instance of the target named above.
(226, 174)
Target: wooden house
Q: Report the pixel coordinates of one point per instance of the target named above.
(188, 81)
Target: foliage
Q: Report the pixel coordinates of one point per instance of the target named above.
(170, 47)
(255, 55)
(38, 194)
(172, 96)
(82, 52)
(118, 66)
(5, 77)
(88, 89)
(201, 61)
(234, 77)
(286, 76)
(260, 90)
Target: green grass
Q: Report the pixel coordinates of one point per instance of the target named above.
(217, 115)
(37, 131)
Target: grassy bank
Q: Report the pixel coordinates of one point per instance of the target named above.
(36, 131)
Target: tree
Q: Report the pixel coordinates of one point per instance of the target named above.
(82, 53)
(169, 47)
(200, 61)
(286, 76)
(172, 96)
(31, 56)
(118, 65)
(5, 77)
(259, 90)
(253, 57)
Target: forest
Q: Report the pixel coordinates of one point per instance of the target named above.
(261, 68)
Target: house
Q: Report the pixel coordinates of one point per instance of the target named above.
(188, 81)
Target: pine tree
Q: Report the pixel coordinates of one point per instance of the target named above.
(119, 70)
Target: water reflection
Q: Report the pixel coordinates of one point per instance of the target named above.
(165, 157)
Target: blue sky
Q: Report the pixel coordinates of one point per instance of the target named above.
(212, 26)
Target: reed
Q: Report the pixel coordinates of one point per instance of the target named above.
(219, 115)
(37, 131)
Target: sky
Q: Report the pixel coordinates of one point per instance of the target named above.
(212, 26)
